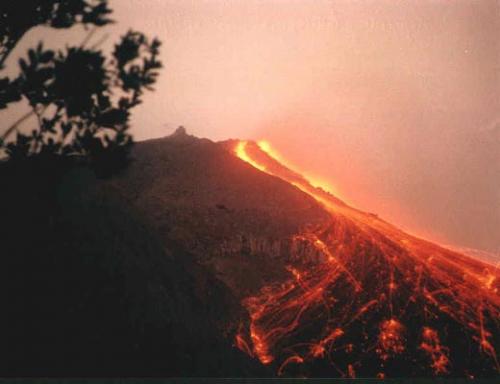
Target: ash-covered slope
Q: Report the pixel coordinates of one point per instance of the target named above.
(238, 221)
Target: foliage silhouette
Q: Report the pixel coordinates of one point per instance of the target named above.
(80, 98)
(18, 18)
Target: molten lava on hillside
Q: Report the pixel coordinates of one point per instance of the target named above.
(379, 303)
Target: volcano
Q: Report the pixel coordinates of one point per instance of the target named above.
(221, 247)
(328, 290)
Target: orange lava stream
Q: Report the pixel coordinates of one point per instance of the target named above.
(241, 153)
(379, 300)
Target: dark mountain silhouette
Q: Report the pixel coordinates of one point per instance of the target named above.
(191, 252)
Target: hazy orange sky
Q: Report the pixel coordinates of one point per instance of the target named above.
(396, 103)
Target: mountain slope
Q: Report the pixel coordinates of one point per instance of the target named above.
(236, 220)
(382, 303)
(329, 290)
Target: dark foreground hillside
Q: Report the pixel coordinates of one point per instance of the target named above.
(87, 288)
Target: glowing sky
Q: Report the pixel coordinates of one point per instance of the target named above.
(396, 103)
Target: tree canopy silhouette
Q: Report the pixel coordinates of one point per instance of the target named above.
(80, 98)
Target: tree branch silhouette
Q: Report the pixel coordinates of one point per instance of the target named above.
(17, 123)
(92, 95)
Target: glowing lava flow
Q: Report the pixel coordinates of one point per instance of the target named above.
(240, 151)
(380, 303)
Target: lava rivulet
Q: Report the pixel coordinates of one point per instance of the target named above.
(379, 303)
